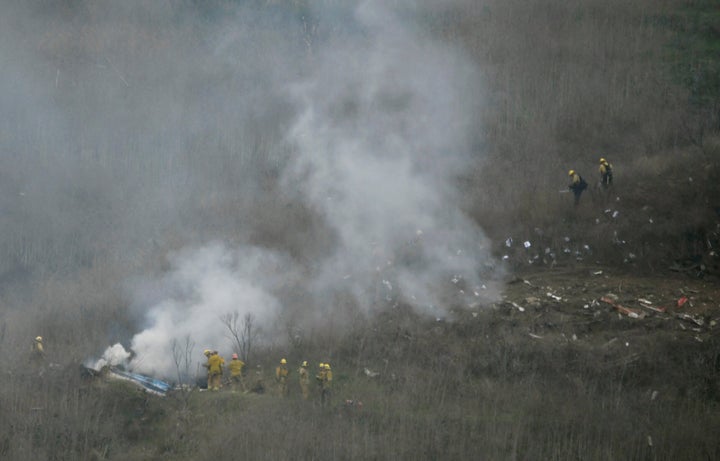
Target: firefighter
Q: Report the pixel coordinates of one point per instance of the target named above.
(215, 370)
(606, 173)
(258, 385)
(304, 378)
(281, 376)
(577, 185)
(236, 373)
(207, 353)
(37, 355)
(326, 385)
(320, 378)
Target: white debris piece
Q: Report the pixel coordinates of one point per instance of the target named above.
(555, 297)
(505, 257)
(508, 242)
(567, 239)
(387, 284)
(370, 373)
(527, 244)
(615, 214)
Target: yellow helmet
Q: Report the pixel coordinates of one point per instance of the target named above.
(602, 160)
(283, 361)
(327, 366)
(207, 352)
(571, 172)
(304, 364)
(39, 339)
(322, 365)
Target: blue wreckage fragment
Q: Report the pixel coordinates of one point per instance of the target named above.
(152, 385)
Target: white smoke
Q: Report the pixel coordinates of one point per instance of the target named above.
(113, 356)
(385, 129)
(385, 124)
(203, 285)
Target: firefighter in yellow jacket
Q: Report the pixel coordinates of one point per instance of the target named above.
(577, 185)
(326, 384)
(281, 376)
(304, 379)
(37, 355)
(320, 378)
(215, 371)
(236, 373)
(606, 173)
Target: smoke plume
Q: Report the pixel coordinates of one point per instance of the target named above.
(316, 146)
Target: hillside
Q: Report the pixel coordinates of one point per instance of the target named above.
(377, 185)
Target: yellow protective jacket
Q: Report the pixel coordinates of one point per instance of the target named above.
(215, 364)
(574, 181)
(320, 377)
(304, 375)
(328, 379)
(236, 367)
(281, 373)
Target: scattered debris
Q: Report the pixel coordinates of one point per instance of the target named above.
(699, 321)
(151, 385)
(681, 302)
(532, 335)
(553, 296)
(370, 373)
(352, 405)
(632, 313)
(648, 305)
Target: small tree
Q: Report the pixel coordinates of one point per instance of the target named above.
(242, 332)
(182, 357)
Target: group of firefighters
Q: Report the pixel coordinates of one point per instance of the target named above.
(215, 366)
(578, 184)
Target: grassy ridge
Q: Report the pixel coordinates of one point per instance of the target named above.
(566, 81)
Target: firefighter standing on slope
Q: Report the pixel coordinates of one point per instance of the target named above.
(215, 371)
(304, 378)
(326, 385)
(281, 375)
(577, 185)
(236, 378)
(606, 173)
(37, 355)
(319, 378)
(324, 380)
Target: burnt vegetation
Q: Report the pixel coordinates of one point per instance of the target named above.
(117, 149)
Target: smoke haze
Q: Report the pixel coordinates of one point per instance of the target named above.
(264, 148)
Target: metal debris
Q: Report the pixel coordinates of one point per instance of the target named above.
(632, 313)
